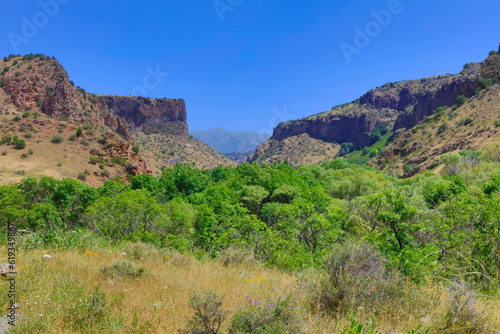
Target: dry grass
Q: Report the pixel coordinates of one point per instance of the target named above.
(53, 295)
(299, 150)
(166, 150)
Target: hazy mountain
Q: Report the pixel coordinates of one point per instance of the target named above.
(226, 141)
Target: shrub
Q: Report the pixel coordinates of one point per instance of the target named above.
(270, 316)
(105, 172)
(357, 277)
(72, 138)
(20, 172)
(492, 53)
(39, 103)
(237, 257)
(82, 176)
(28, 135)
(355, 327)
(122, 269)
(79, 132)
(136, 149)
(17, 118)
(208, 316)
(85, 142)
(347, 148)
(19, 144)
(56, 139)
(375, 137)
(6, 138)
(441, 129)
(460, 101)
(24, 156)
(30, 151)
(26, 114)
(3, 84)
(4, 152)
(140, 251)
(462, 315)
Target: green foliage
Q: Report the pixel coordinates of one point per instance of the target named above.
(347, 148)
(460, 101)
(19, 144)
(355, 327)
(375, 137)
(442, 128)
(136, 149)
(79, 132)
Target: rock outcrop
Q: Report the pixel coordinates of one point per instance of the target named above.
(149, 115)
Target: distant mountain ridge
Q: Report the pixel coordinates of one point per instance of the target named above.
(226, 141)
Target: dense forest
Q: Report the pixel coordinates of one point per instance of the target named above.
(326, 219)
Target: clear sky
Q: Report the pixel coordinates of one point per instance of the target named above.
(247, 64)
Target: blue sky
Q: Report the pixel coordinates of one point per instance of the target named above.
(250, 63)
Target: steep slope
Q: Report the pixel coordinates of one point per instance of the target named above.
(400, 106)
(38, 102)
(226, 141)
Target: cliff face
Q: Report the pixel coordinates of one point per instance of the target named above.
(428, 103)
(149, 115)
(338, 129)
(45, 85)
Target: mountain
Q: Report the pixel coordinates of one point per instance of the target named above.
(119, 135)
(377, 124)
(226, 141)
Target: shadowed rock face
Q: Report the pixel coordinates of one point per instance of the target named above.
(428, 103)
(147, 114)
(338, 129)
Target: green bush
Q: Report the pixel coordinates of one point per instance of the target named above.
(122, 269)
(19, 144)
(441, 129)
(82, 176)
(56, 139)
(460, 101)
(347, 148)
(136, 149)
(79, 132)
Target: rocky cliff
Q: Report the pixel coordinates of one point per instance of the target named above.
(399, 104)
(149, 115)
(44, 84)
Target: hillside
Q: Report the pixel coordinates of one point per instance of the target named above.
(226, 141)
(38, 102)
(395, 108)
